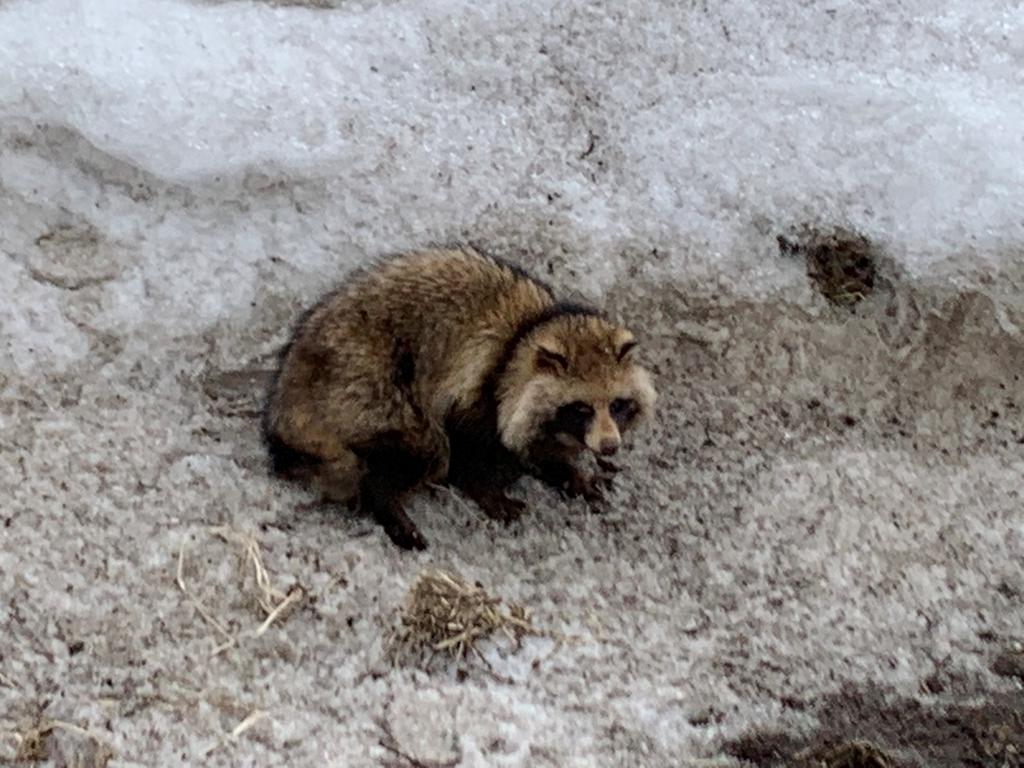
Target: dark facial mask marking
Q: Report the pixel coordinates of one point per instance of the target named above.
(571, 419)
(623, 411)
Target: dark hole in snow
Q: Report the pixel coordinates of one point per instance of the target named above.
(1010, 664)
(842, 264)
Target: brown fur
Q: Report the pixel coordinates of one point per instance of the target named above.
(445, 364)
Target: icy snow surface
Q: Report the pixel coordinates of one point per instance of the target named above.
(830, 498)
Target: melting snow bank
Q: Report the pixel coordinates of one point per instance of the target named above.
(678, 126)
(829, 502)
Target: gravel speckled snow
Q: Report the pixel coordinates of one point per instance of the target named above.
(827, 510)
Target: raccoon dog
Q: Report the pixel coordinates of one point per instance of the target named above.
(446, 365)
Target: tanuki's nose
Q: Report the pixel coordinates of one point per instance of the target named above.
(609, 447)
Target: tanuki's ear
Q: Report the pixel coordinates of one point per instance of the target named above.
(550, 359)
(625, 349)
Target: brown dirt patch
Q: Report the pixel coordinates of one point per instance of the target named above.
(865, 728)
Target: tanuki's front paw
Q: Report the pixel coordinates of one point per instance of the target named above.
(590, 487)
(406, 536)
(397, 525)
(497, 506)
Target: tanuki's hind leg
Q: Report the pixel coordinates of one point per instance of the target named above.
(346, 398)
(396, 463)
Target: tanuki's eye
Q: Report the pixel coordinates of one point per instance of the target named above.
(571, 419)
(622, 408)
(579, 408)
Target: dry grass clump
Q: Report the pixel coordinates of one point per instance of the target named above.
(253, 718)
(446, 614)
(272, 602)
(33, 744)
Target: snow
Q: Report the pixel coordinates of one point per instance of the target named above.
(179, 178)
(890, 117)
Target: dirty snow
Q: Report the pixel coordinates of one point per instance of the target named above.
(830, 498)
